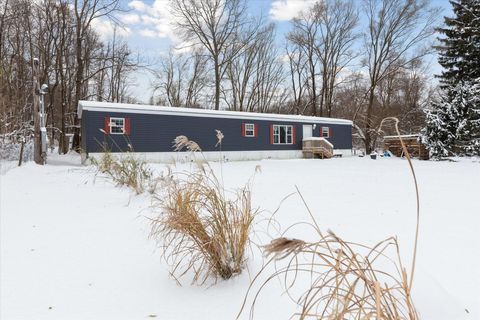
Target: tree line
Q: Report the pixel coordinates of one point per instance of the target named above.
(72, 60)
(329, 65)
(332, 62)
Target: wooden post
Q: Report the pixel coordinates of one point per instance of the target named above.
(37, 138)
(20, 158)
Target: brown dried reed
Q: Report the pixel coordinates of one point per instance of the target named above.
(203, 230)
(345, 280)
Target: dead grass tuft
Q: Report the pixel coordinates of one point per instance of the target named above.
(202, 229)
(125, 170)
(282, 247)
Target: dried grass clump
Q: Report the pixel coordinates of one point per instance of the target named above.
(202, 231)
(332, 278)
(126, 170)
(199, 229)
(106, 162)
(346, 280)
(335, 279)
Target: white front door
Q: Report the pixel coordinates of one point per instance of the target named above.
(307, 131)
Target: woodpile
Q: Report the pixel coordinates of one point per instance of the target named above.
(415, 148)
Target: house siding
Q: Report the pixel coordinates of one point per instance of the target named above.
(155, 133)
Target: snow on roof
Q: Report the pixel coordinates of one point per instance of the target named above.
(403, 136)
(149, 109)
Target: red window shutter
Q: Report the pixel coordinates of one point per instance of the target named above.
(255, 132)
(330, 132)
(293, 134)
(271, 134)
(243, 129)
(127, 126)
(106, 126)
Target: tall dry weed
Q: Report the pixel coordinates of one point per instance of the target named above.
(332, 278)
(202, 229)
(125, 170)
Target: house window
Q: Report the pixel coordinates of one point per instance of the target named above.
(282, 134)
(117, 125)
(326, 132)
(249, 130)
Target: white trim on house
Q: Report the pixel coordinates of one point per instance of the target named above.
(191, 112)
(112, 124)
(171, 157)
(249, 127)
(343, 152)
(277, 134)
(322, 133)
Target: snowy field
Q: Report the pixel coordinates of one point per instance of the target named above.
(73, 246)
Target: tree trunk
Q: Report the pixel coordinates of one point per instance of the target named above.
(78, 86)
(37, 140)
(217, 84)
(368, 120)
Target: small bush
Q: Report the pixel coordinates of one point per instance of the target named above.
(127, 170)
(199, 228)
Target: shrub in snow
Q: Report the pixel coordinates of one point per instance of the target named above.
(10, 151)
(125, 170)
(202, 229)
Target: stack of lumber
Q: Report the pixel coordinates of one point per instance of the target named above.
(412, 142)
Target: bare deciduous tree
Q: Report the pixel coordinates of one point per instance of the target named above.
(221, 27)
(337, 21)
(324, 34)
(85, 12)
(396, 35)
(181, 79)
(256, 75)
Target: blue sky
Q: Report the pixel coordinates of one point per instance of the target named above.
(147, 28)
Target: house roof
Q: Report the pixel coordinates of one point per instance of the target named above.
(190, 112)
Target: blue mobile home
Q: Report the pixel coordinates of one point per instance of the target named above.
(150, 130)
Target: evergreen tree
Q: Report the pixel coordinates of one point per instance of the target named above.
(453, 122)
(466, 101)
(438, 134)
(459, 52)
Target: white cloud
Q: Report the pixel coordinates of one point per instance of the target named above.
(106, 29)
(138, 5)
(150, 20)
(130, 18)
(156, 19)
(148, 33)
(288, 9)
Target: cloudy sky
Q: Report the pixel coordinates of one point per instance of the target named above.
(146, 25)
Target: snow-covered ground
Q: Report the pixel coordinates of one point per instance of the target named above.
(73, 246)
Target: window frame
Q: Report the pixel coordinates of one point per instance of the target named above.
(112, 125)
(276, 133)
(327, 132)
(252, 130)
